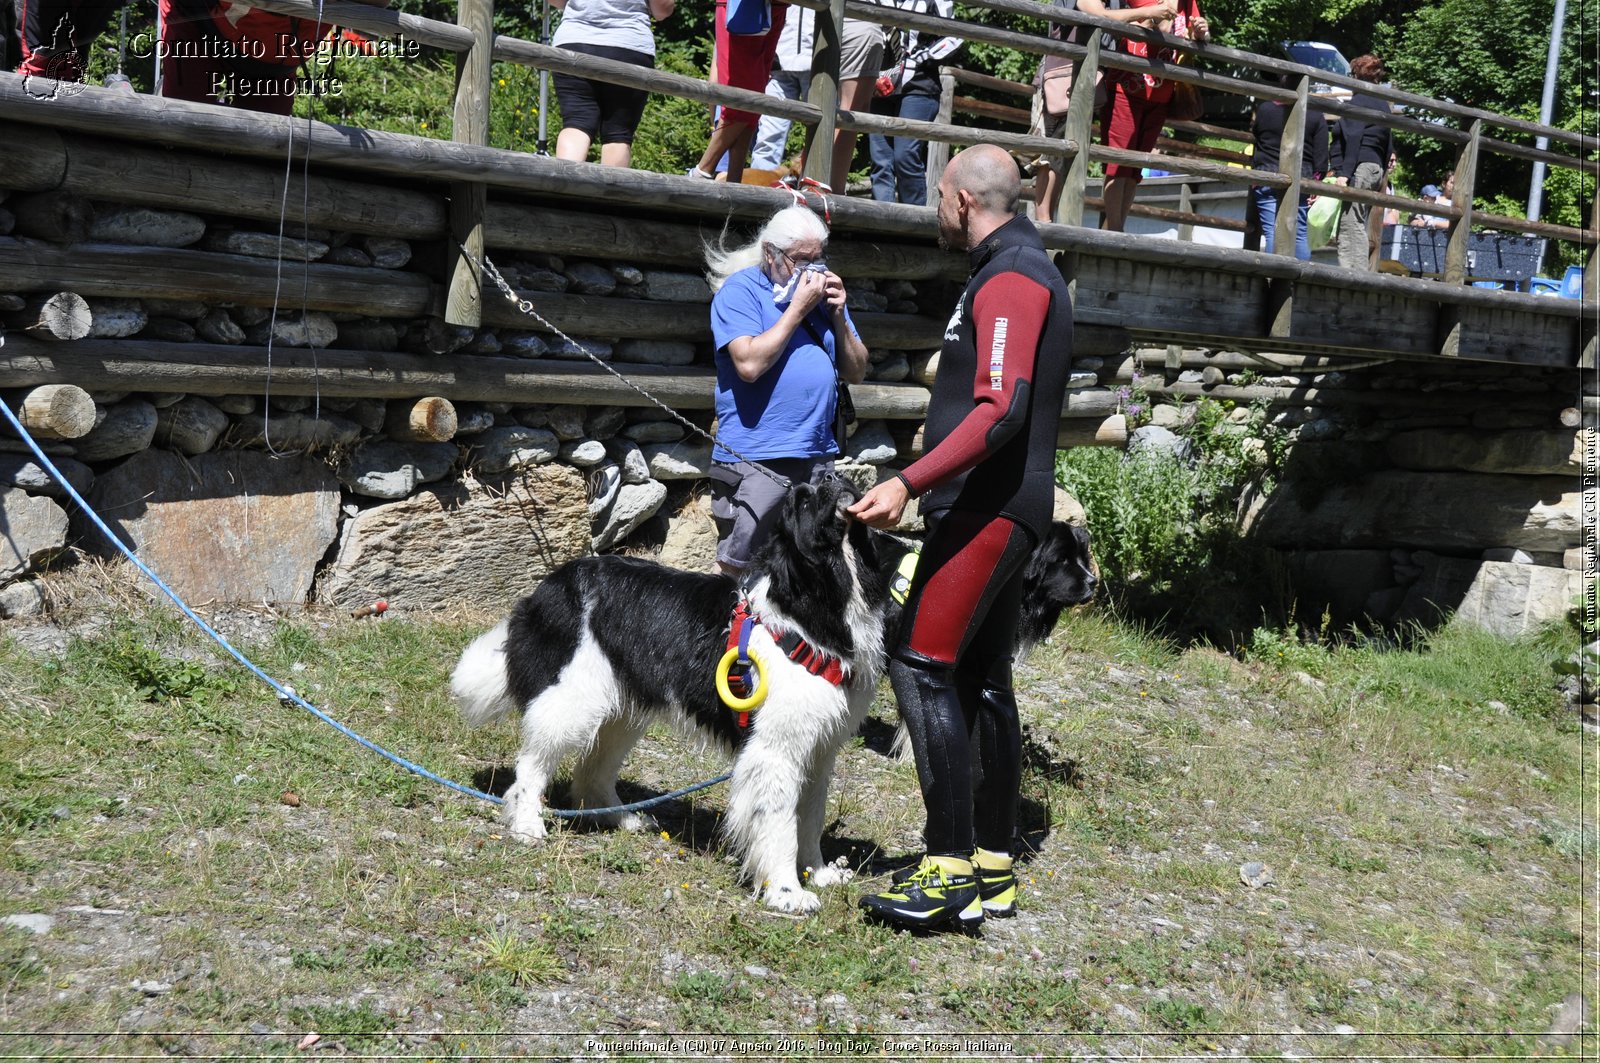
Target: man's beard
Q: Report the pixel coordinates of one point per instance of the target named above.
(951, 239)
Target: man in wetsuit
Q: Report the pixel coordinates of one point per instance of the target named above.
(985, 481)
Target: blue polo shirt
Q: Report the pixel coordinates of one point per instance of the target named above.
(787, 412)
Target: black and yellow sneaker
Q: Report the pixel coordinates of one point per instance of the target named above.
(997, 885)
(941, 892)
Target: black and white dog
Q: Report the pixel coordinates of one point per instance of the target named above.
(606, 643)
(1060, 574)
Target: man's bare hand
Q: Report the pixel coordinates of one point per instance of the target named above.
(882, 506)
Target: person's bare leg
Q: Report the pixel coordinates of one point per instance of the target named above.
(855, 94)
(722, 141)
(616, 154)
(739, 151)
(1118, 195)
(1047, 186)
(573, 145)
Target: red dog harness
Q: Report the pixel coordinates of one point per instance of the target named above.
(794, 647)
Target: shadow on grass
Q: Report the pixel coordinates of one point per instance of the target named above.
(691, 820)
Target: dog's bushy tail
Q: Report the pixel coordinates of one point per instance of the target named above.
(479, 681)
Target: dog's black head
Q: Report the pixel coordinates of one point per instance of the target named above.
(805, 560)
(1060, 574)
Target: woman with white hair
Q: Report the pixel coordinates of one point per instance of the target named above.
(784, 340)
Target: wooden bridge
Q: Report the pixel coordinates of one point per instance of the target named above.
(1130, 290)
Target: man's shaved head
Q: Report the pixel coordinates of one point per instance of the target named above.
(990, 175)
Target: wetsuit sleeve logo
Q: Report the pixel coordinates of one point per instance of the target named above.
(997, 354)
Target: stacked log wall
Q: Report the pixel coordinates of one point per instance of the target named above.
(425, 463)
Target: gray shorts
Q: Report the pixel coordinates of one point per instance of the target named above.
(744, 503)
(860, 49)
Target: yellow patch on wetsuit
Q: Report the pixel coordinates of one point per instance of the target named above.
(900, 582)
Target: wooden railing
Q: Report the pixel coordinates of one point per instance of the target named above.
(475, 44)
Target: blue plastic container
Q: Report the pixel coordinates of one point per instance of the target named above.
(1572, 283)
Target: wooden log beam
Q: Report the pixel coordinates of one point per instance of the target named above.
(605, 317)
(1325, 396)
(217, 369)
(1182, 217)
(644, 241)
(988, 81)
(1586, 237)
(884, 125)
(208, 276)
(55, 316)
(1189, 149)
(55, 411)
(986, 109)
(39, 159)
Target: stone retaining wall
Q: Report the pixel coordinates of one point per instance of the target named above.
(1410, 487)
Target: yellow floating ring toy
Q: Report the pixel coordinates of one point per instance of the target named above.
(738, 704)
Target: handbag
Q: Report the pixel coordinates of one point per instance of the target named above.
(1322, 221)
(844, 411)
(1186, 104)
(844, 407)
(1057, 91)
(749, 18)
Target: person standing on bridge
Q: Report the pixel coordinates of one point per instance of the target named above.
(605, 29)
(784, 342)
(1268, 124)
(743, 61)
(1361, 154)
(1053, 85)
(987, 484)
(1137, 105)
(908, 87)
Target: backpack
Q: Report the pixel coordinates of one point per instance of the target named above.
(749, 18)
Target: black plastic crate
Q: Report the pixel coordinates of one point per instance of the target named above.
(1490, 256)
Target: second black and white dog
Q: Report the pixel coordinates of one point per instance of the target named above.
(607, 643)
(1060, 574)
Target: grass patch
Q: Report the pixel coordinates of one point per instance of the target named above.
(1425, 845)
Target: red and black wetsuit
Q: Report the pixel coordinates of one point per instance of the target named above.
(986, 482)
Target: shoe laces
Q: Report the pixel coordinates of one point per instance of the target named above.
(929, 874)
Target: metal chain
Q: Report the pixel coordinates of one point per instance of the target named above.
(526, 306)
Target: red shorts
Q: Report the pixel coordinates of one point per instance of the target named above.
(746, 62)
(1131, 122)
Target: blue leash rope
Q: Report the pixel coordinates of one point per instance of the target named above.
(287, 694)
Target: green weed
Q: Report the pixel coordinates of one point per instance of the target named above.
(523, 961)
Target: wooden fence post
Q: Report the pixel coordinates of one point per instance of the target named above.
(469, 200)
(1079, 130)
(1186, 206)
(824, 95)
(938, 150)
(1455, 251)
(1287, 227)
